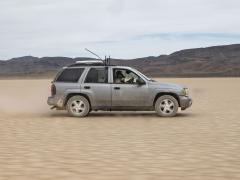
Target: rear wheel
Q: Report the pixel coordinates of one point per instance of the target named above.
(78, 106)
(166, 106)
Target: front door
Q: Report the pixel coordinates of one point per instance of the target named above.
(128, 89)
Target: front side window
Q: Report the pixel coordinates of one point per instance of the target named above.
(97, 75)
(70, 75)
(125, 76)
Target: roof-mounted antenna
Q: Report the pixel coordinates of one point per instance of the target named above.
(107, 60)
(94, 54)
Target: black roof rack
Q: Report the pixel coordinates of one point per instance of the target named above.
(82, 64)
(88, 63)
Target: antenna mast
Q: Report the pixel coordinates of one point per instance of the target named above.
(106, 61)
(94, 54)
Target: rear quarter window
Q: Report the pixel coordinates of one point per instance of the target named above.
(70, 75)
(97, 75)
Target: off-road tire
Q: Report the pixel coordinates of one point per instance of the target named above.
(78, 106)
(166, 106)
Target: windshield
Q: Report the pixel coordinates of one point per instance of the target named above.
(147, 78)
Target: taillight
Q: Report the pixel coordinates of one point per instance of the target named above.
(53, 89)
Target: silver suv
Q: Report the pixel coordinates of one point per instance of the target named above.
(90, 86)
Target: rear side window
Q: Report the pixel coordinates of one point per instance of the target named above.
(70, 75)
(97, 75)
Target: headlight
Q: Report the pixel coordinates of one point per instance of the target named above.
(185, 91)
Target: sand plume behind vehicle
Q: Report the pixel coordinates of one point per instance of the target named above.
(24, 97)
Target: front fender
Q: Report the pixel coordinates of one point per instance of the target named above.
(164, 91)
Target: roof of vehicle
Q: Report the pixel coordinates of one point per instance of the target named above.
(89, 63)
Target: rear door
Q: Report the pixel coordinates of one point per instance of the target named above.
(97, 87)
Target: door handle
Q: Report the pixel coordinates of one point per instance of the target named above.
(116, 88)
(87, 87)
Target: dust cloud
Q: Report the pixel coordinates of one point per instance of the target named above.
(27, 97)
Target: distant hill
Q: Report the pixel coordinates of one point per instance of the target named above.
(217, 61)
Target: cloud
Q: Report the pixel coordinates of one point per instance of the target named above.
(190, 36)
(118, 27)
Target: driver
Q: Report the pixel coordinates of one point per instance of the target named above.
(129, 77)
(119, 77)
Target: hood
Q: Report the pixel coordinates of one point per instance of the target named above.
(167, 85)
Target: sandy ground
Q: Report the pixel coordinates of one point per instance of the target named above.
(200, 143)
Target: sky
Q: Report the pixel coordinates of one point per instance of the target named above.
(119, 28)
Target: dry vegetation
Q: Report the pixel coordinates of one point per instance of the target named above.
(200, 143)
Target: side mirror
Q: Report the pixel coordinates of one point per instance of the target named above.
(140, 82)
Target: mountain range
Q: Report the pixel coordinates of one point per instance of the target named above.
(216, 61)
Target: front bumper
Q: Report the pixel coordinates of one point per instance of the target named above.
(185, 102)
(55, 101)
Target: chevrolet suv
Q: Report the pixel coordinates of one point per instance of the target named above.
(91, 86)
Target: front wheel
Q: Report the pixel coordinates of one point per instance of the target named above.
(166, 106)
(78, 106)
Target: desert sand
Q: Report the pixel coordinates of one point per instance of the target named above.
(202, 142)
